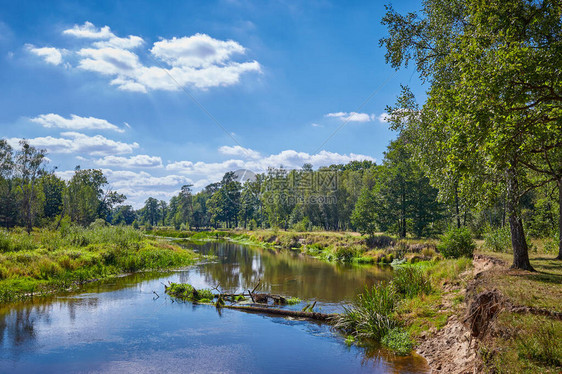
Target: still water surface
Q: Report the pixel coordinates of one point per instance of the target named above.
(121, 326)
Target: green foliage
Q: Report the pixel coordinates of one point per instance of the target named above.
(411, 281)
(457, 243)
(369, 316)
(498, 240)
(364, 215)
(293, 300)
(185, 291)
(50, 260)
(399, 341)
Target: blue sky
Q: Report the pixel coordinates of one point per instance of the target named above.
(160, 94)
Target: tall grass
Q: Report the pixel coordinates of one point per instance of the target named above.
(410, 281)
(372, 314)
(48, 260)
(369, 316)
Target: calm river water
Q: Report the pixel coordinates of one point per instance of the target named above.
(120, 326)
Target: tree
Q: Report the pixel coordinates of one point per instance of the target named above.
(53, 190)
(29, 166)
(494, 96)
(185, 208)
(8, 203)
(88, 198)
(124, 214)
(364, 216)
(163, 211)
(151, 211)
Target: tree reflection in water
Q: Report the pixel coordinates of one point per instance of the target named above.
(284, 272)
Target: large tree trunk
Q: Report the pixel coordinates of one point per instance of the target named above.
(518, 241)
(560, 220)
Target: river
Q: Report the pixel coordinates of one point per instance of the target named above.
(128, 324)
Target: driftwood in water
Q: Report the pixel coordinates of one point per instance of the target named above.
(188, 292)
(283, 312)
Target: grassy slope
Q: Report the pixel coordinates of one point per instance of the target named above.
(47, 261)
(525, 343)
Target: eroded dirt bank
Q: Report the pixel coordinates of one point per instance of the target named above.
(453, 348)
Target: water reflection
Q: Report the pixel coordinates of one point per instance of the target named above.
(119, 326)
(240, 267)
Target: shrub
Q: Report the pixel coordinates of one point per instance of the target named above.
(99, 222)
(498, 240)
(344, 253)
(369, 315)
(5, 242)
(457, 243)
(380, 241)
(399, 341)
(410, 281)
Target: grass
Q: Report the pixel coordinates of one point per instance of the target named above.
(47, 261)
(528, 344)
(542, 289)
(525, 343)
(392, 312)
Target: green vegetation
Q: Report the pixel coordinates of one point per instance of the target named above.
(186, 291)
(45, 261)
(457, 243)
(399, 341)
(293, 300)
(376, 313)
(525, 343)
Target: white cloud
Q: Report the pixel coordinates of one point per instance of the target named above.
(383, 118)
(109, 61)
(195, 51)
(198, 61)
(74, 122)
(129, 42)
(352, 116)
(239, 151)
(289, 159)
(74, 142)
(130, 179)
(316, 125)
(138, 161)
(49, 54)
(89, 31)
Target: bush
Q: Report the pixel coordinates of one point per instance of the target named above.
(457, 243)
(5, 242)
(380, 241)
(410, 281)
(370, 315)
(498, 240)
(344, 254)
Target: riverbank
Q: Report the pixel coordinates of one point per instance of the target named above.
(48, 261)
(510, 321)
(328, 246)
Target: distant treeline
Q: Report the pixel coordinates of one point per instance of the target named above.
(393, 197)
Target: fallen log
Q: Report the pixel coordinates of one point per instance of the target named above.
(326, 317)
